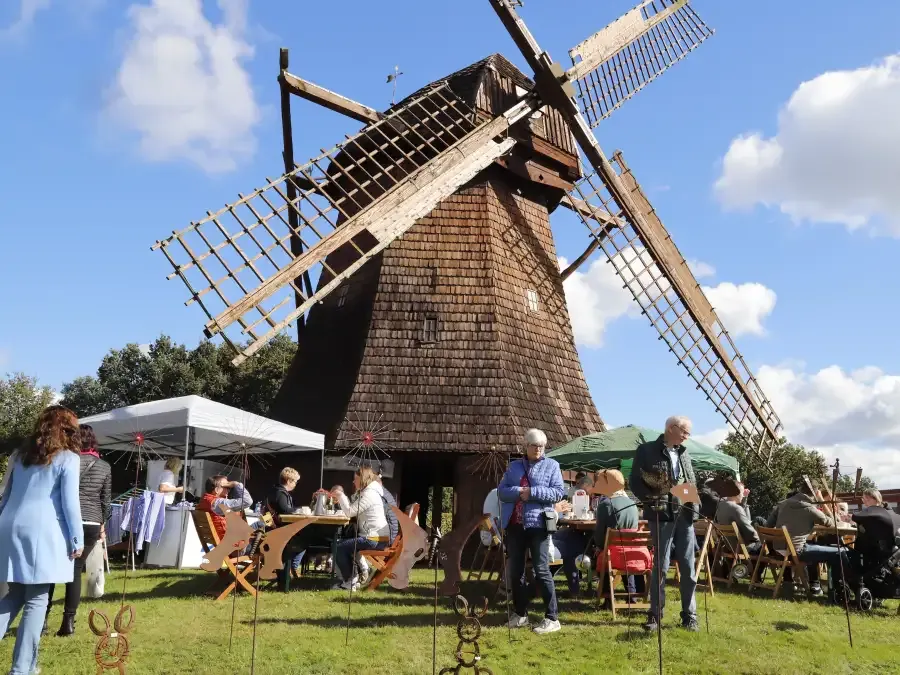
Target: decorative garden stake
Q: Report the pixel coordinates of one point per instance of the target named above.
(468, 653)
(112, 650)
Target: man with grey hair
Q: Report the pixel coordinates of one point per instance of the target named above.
(665, 461)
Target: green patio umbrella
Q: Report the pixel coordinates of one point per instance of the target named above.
(614, 449)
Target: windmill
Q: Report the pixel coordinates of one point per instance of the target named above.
(418, 259)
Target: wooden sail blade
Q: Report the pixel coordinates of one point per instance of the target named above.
(659, 279)
(352, 201)
(614, 64)
(328, 99)
(653, 269)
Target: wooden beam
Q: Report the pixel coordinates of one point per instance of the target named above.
(533, 171)
(287, 154)
(580, 260)
(541, 147)
(328, 99)
(589, 211)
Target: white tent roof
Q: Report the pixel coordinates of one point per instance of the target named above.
(218, 429)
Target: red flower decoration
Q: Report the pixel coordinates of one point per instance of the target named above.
(368, 438)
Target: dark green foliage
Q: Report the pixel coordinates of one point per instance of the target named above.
(129, 376)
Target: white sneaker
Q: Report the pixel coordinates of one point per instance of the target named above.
(352, 585)
(516, 621)
(547, 626)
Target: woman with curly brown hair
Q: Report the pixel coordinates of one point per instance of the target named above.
(41, 532)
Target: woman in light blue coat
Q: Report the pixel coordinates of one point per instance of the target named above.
(40, 528)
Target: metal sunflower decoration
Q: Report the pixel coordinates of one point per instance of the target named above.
(371, 437)
(491, 465)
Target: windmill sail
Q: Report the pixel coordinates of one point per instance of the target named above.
(619, 216)
(659, 279)
(240, 264)
(614, 64)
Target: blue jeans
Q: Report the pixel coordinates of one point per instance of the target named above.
(346, 548)
(31, 600)
(679, 533)
(571, 544)
(518, 540)
(815, 554)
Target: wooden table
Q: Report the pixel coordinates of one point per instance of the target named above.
(326, 521)
(578, 523)
(336, 521)
(846, 532)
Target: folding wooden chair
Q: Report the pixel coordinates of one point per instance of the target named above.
(778, 554)
(730, 546)
(384, 560)
(704, 533)
(237, 568)
(625, 553)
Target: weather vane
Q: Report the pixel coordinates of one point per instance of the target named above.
(393, 77)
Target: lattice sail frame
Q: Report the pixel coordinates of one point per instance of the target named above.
(697, 338)
(614, 64)
(363, 193)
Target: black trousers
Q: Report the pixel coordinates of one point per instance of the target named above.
(73, 588)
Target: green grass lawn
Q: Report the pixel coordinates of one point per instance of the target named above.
(178, 630)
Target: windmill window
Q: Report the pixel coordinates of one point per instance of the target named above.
(342, 294)
(430, 329)
(531, 301)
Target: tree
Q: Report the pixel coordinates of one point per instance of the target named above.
(848, 482)
(131, 375)
(769, 485)
(21, 401)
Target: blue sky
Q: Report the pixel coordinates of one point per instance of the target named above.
(97, 167)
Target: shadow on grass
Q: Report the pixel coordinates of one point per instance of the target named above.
(790, 626)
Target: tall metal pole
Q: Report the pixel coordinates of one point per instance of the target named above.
(187, 453)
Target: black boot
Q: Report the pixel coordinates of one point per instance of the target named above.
(68, 625)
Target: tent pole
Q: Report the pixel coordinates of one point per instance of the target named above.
(187, 452)
(322, 469)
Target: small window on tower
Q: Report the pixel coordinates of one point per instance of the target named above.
(342, 294)
(531, 300)
(430, 329)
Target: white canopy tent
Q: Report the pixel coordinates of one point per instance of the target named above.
(195, 428)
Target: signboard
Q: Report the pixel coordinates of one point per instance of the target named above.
(340, 463)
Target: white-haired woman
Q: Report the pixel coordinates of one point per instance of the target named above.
(529, 489)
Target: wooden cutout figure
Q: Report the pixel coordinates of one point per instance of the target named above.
(237, 537)
(413, 547)
(451, 551)
(272, 547)
(686, 492)
(606, 484)
(112, 650)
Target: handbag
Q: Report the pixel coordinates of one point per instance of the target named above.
(96, 580)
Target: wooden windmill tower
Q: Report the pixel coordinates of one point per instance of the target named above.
(418, 259)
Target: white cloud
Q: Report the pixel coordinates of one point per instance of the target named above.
(853, 416)
(834, 158)
(742, 307)
(597, 297)
(701, 269)
(182, 85)
(28, 9)
(711, 438)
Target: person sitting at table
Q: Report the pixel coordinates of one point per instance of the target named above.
(735, 510)
(582, 482)
(168, 480)
(617, 512)
(281, 503)
(216, 502)
(800, 515)
(879, 527)
(372, 531)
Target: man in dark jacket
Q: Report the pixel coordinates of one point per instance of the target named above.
(666, 461)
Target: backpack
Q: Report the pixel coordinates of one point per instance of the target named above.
(393, 523)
